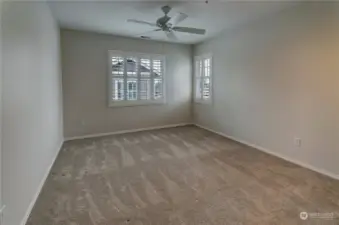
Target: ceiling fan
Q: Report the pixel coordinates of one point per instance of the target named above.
(169, 24)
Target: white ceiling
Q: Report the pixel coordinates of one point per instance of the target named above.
(110, 16)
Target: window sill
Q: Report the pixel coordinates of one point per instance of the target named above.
(136, 103)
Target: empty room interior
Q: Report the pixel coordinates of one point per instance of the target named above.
(169, 112)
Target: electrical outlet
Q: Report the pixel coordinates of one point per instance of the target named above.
(297, 142)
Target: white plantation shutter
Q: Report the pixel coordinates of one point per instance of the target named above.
(203, 78)
(135, 78)
(157, 73)
(145, 89)
(206, 87)
(118, 68)
(198, 78)
(145, 78)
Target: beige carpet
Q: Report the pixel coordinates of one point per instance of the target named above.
(178, 176)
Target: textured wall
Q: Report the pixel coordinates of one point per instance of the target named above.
(32, 103)
(277, 79)
(84, 62)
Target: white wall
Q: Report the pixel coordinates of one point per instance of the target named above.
(84, 59)
(277, 79)
(1, 2)
(32, 103)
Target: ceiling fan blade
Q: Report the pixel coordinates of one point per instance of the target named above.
(189, 30)
(179, 17)
(170, 35)
(141, 22)
(148, 32)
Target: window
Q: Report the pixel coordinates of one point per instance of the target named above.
(203, 79)
(135, 78)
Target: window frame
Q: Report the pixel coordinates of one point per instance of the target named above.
(138, 77)
(197, 76)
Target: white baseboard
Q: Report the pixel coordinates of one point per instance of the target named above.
(126, 131)
(35, 197)
(294, 161)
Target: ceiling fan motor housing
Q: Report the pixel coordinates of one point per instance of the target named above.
(166, 9)
(162, 23)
